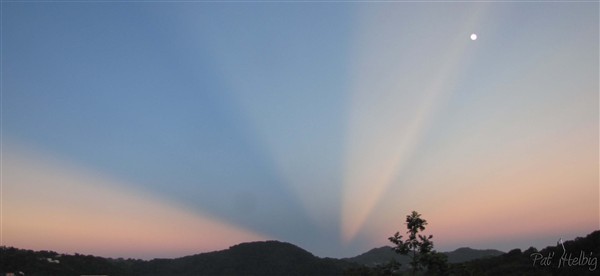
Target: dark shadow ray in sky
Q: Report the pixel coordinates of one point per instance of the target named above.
(110, 92)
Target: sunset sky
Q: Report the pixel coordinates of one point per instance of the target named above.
(164, 129)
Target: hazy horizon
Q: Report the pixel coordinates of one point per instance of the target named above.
(157, 255)
(165, 129)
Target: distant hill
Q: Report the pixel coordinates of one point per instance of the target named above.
(382, 255)
(464, 254)
(378, 256)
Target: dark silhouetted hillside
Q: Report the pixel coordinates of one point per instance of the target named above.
(384, 254)
(377, 256)
(465, 254)
(517, 262)
(255, 258)
(280, 258)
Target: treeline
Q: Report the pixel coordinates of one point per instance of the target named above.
(279, 258)
(577, 257)
(256, 258)
(29, 262)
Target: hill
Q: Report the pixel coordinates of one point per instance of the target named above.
(576, 257)
(254, 258)
(384, 254)
(376, 256)
(281, 258)
(464, 254)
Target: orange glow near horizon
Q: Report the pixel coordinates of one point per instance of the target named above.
(544, 194)
(51, 205)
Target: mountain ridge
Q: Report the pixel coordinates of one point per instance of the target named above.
(270, 257)
(383, 254)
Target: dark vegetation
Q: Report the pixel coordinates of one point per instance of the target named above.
(384, 254)
(517, 262)
(465, 261)
(464, 254)
(256, 258)
(418, 247)
(278, 258)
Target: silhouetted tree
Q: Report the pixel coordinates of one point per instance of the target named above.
(418, 247)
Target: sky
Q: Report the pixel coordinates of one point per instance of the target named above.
(164, 129)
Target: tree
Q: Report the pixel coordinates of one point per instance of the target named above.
(418, 247)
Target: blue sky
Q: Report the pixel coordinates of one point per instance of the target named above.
(299, 121)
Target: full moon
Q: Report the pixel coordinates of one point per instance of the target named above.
(473, 37)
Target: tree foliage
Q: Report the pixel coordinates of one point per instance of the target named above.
(517, 262)
(418, 247)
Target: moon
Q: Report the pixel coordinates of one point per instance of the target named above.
(473, 36)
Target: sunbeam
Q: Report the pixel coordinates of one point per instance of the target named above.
(166, 129)
(391, 107)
